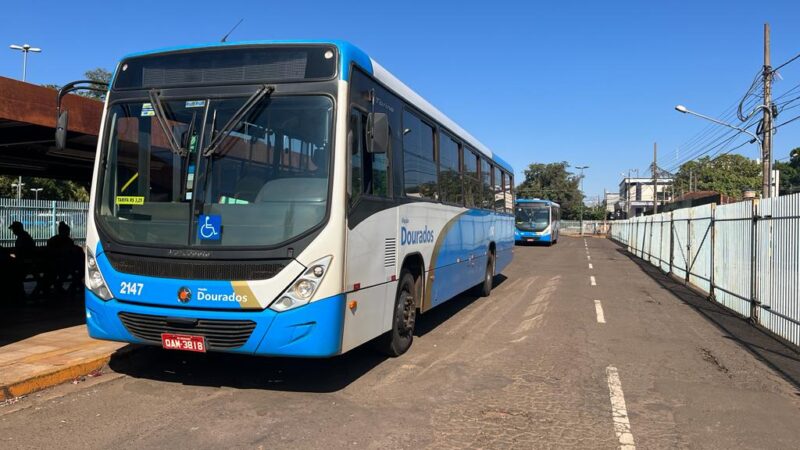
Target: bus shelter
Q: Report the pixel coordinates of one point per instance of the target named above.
(27, 148)
(27, 133)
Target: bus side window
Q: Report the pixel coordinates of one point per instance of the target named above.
(497, 184)
(419, 158)
(509, 190)
(472, 186)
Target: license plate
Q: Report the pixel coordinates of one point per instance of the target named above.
(531, 239)
(183, 342)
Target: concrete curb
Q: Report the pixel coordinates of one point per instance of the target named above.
(59, 375)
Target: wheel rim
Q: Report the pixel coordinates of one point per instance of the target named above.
(407, 316)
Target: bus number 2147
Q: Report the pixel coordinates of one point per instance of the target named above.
(130, 288)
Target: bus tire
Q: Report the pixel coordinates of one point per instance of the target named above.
(488, 277)
(397, 341)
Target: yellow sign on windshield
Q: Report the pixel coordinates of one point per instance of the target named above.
(130, 200)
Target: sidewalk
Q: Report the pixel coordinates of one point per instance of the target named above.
(51, 358)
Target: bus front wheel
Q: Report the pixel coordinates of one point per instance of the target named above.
(398, 340)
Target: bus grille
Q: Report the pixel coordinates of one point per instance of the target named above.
(194, 270)
(219, 334)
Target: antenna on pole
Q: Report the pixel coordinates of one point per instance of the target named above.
(225, 38)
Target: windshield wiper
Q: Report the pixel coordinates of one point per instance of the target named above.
(158, 111)
(251, 102)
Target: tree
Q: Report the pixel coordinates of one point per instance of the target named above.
(553, 182)
(727, 174)
(789, 173)
(97, 74)
(51, 189)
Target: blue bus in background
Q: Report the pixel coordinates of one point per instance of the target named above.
(536, 221)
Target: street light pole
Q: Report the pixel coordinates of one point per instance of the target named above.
(18, 185)
(767, 176)
(25, 49)
(581, 187)
(36, 192)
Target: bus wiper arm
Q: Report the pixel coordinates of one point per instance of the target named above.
(248, 105)
(158, 111)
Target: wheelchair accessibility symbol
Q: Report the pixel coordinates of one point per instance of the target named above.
(209, 227)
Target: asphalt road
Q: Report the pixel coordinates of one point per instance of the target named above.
(529, 367)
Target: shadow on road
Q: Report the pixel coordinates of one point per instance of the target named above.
(432, 319)
(277, 374)
(247, 371)
(779, 356)
(22, 320)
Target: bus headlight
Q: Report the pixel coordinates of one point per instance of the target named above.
(302, 290)
(94, 279)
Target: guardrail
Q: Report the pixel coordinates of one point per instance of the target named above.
(745, 256)
(40, 218)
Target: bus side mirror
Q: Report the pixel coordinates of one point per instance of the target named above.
(61, 130)
(377, 133)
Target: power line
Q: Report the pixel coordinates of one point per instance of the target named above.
(786, 122)
(757, 81)
(703, 137)
(719, 143)
(787, 62)
(723, 137)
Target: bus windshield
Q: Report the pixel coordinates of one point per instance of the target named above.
(265, 183)
(532, 217)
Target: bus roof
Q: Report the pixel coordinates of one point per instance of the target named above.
(350, 53)
(537, 200)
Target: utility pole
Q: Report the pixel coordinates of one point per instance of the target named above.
(655, 178)
(766, 143)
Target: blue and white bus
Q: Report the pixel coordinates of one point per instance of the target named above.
(536, 221)
(283, 198)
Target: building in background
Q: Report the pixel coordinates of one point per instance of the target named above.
(636, 195)
(610, 200)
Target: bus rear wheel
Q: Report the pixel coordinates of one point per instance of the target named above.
(488, 278)
(398, 340)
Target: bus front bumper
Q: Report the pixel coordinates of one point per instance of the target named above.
(531, 236)
(313, 330)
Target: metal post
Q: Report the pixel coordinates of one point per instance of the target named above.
(54, 228)
(655, 178)
(711, 295)
(754, 303)
(688, 245)
(671, 241)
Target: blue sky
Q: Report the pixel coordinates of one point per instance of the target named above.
(591, 83)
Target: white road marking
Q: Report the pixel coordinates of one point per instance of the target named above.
(598, 308)
(527, 324)
(594, 282)
(588, 257)
(519, 340)
(619, 414)
(591, 266)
